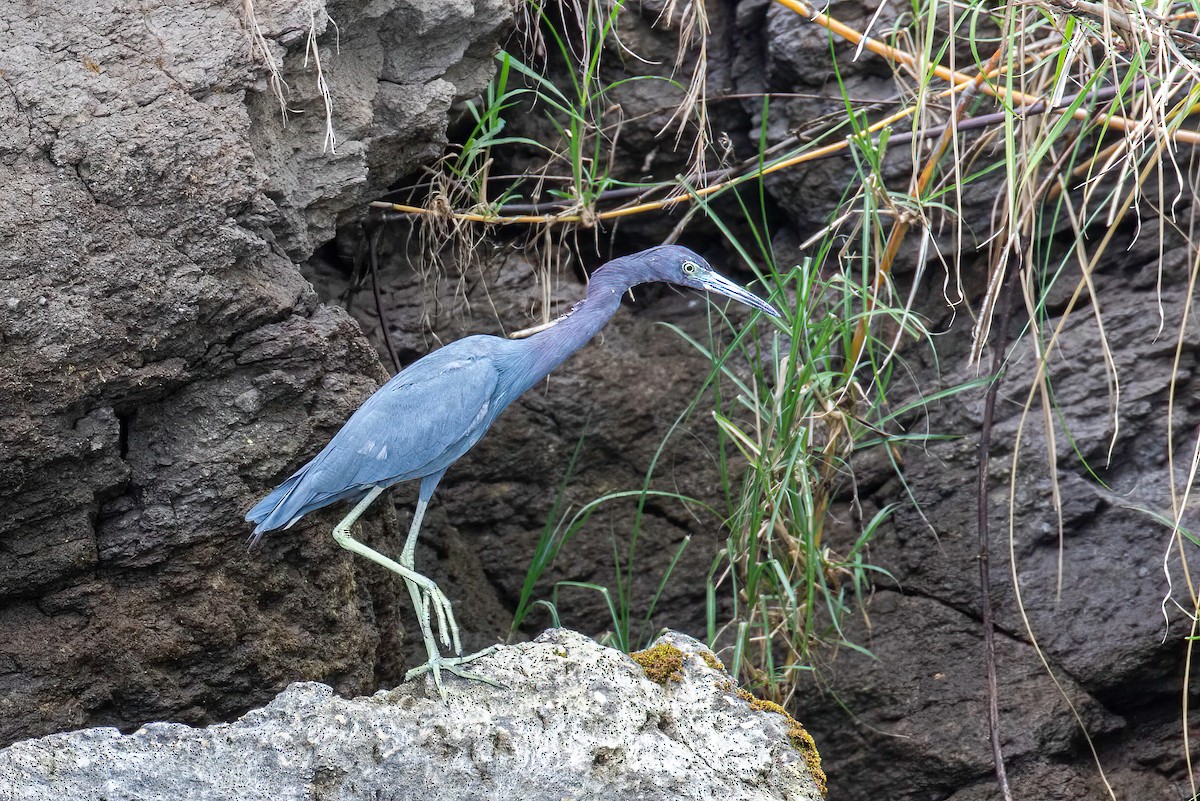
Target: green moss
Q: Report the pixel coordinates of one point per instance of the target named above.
(662, 663)
(801, 740)
(711, 660)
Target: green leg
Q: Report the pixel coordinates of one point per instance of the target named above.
(424, 593)
(408, 562)
(437, 663)
(408, 556)
(447, 626)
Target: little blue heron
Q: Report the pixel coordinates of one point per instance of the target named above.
(432, 412)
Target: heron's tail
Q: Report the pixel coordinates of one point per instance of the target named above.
(277, 510)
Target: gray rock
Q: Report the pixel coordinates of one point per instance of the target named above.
(162, 361)
(573, 720)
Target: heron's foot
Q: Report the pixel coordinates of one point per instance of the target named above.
(432, 598)
(452, 664)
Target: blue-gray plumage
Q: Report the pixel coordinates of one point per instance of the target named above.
(432, 412)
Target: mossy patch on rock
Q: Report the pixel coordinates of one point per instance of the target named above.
(662, 663)
(802, 741)
(711, 660)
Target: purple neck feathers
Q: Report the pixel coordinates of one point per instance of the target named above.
(552, 347)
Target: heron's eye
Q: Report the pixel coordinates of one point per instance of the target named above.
(690, 268)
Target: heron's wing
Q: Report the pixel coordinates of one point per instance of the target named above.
(416, 424)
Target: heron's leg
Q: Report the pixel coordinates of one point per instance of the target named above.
(412, 579)
(428, 485)
(452, 664)
(437, 663)
(422, 600)
(408, 561)
(408, 557)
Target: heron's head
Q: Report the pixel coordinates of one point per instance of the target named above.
(678, 265)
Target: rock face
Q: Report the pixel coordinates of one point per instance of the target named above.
(162, 364)
(1112, 634)
(161, 359)
(572, 720)
(911, 724)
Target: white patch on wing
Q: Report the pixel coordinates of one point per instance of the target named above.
(367, 448)
(382, 453)
(483, 410)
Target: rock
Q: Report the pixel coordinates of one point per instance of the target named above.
(163, 362)
(1115, 636)
(572, 720)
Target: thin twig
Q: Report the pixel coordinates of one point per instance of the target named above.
(950, 76)
(373, 247)
(900, 229)
(985, 584)
(716, 180)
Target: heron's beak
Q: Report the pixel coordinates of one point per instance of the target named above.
(720, 285)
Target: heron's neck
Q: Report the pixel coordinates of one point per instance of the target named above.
(552, 347)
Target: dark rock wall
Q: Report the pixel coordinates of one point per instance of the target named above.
(911, 724)
(162, 362)
(1113, 636)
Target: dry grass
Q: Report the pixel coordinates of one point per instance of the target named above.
(275, 80)
(1081, 111)
(279, 87)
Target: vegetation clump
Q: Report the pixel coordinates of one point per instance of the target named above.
(662, 663)
(1080, 112)
(801, 740)
(712, 661)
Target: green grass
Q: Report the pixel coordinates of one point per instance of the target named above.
(793, 402)
(788, 411)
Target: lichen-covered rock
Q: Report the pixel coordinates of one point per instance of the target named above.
(572, 719)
